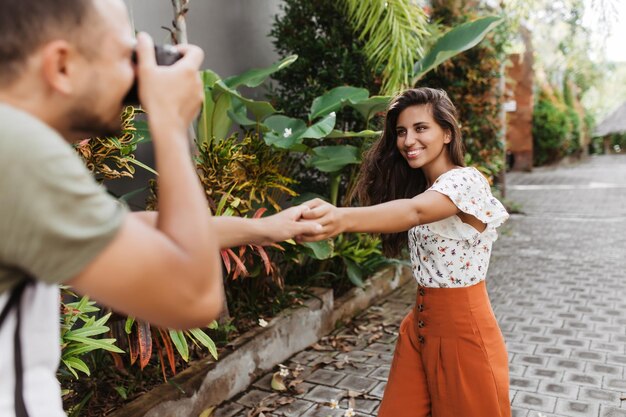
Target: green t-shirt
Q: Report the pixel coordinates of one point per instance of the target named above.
(54, 218)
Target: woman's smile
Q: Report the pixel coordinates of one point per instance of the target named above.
(414, 153)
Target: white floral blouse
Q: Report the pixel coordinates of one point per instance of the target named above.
(450, 253)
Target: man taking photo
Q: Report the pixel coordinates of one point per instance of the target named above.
(65, 68)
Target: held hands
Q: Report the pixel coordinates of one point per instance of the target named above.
(289, 223)
(172, 95)
(329, 217)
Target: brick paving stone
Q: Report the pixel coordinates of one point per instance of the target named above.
(599, 395)
(550, 374)
(296, 408)
(358, 369)
(616, 384)
(322, 394)
(616, 359)
(325, 377)
(517, 370)
(378, 390)
(381, 372)
(607, 347)
(519, 412)
(576, 408)
(558, 389)
(323, 411)
(357, 383)
(612, 411)
(602, 369)
(552, 351)
(587, 355)
(530, 360)
(566, 364)
(532, 401)
(524, 384)
(362, 406)
(583, 379)
(556, 286)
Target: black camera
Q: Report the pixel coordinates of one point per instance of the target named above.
(165, 55)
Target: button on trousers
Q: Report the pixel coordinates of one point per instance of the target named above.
(450, 358)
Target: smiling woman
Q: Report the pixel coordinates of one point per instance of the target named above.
(450, 359)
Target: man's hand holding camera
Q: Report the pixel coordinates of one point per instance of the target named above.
(171, 95)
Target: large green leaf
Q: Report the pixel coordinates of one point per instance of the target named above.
(334, 99)
(141, 131)
(205, 340)
(285, 132)
(179, 340)
(106, 344)
(78, 364)
(369, 107)
(355, 275)
(214, 121)
(239, 114)
(254, 77)
(260, 109)
(361, 134)
(320, 250)
(334, 158)
(322, 128)
(453, 42)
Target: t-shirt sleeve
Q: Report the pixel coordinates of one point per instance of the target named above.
(54, 218)
(470, 192)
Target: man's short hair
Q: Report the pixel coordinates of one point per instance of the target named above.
(29, 24)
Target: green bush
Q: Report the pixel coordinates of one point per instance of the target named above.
(552, 127)
(573, 146)
(329, 55)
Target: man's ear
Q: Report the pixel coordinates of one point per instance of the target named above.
(56, 65)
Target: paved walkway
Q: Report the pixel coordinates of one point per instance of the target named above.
(558, 286)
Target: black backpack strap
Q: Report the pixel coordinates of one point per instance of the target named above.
(14, 302)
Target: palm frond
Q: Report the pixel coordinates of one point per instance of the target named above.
(394, 33)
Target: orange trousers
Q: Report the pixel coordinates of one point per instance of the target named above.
(450, 359)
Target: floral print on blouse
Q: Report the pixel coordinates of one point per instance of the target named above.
(449, 253)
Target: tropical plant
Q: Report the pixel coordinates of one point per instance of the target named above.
(111, 158)
(393, 33)
(79, 324)
(241, 177)
(224, 105)
(140, 339)
(551, 128)
(330, 54)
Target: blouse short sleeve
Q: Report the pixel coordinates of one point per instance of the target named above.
(470, 192)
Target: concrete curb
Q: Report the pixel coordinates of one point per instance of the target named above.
(259, 350)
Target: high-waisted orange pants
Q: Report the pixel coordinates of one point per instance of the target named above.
(450, 359)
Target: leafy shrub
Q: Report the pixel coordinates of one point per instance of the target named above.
(329, 55)
(552, 128)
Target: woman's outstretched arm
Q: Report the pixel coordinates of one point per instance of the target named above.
(390, 217)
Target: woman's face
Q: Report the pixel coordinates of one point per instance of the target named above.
(419, 138)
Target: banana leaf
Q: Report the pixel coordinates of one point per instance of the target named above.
(453, 42)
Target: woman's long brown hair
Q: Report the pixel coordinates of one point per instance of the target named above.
(385, 175)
